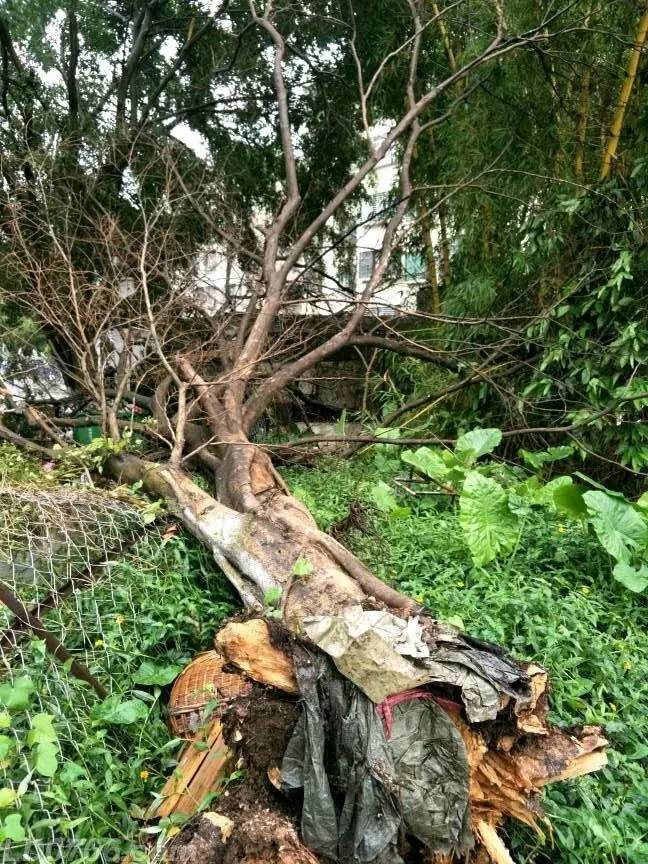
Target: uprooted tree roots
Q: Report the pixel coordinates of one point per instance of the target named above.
(330, 775)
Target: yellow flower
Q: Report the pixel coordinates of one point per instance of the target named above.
(627, 665)
(144, 775)
(584, 589)
(560, 528)
(99, 643)
(119, 620)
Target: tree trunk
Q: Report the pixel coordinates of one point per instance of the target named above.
(260, 532)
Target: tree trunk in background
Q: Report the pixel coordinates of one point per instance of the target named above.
(624, 97)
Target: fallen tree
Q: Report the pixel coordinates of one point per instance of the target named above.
(123, 316)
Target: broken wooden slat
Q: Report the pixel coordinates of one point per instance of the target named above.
(207, 778)
(193, 756)
(493, 843)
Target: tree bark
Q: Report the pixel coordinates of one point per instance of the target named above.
(260, 532)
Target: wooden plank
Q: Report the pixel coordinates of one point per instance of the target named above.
(207, 778)
(190, 761)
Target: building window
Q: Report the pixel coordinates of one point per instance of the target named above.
(366, 264)
(413, 266)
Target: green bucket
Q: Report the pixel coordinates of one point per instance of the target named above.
(85, 434)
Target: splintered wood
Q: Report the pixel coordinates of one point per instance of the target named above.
(249, 647)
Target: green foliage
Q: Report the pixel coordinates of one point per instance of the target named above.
(489, 525)
(492, 513)
(551, 600)
(70, 761)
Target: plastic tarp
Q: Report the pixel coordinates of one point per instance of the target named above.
(362, 787)
(383, 655)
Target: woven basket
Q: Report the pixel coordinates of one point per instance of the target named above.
(201, 682)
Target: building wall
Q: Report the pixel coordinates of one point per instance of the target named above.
(331, 290)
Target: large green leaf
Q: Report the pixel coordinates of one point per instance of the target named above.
(42, 730)
(17, 696)
(632, 578)
(46, 758)
(619, 527)
(568, 498)
(539, 494)
(536, 459)
(12, 828)
(488, 524)
(476, 443)
(382, 496)
(426, 461)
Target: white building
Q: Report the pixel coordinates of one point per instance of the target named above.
(328, 286)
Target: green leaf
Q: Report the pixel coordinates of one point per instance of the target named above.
(382, 497)
(642, 501)
(272, 597)
(12, 828)
(46, 758)
(488, 524)
(156, 674)
(6, 743)
(42, 730)
(17, 696)
(302, 567)
(5, 720)
(115, 712)
(426, 461)
(540, 494)
(633, 579)
(7, 797)
(476, 443)
(569, 499)
(618, 526)
(541, 457)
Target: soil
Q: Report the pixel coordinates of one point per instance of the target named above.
(258, 727)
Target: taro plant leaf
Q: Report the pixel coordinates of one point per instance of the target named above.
(426, 461)
(150, 673)
(568, 498)
(536, 459)
(382, 497)
(17, 696)
(114, 711)
(539, 494)
(634, 579)
(476, 443)
(618, 526)
(488, 524)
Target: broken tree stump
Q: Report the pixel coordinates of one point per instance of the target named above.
(509, 760)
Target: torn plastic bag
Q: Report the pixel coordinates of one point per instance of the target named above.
(373, 658)
(339, 756)
(360, 789)
(431, 769)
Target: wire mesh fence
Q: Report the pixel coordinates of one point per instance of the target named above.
(62, 604)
